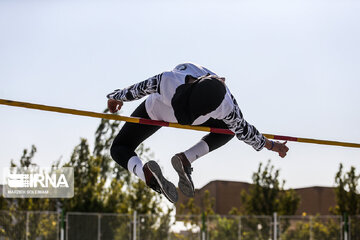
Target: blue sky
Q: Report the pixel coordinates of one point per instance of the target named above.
(292, 65)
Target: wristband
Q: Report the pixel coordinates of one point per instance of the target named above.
(272, 145)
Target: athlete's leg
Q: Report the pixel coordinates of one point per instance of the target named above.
(209, 142)
(182, 161)
(123, 152)
(128, 139)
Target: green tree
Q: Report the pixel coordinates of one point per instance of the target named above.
(195, 215)
(267, 194)
(100, 185)
(348, 197)
(226, 227)
(14, 218)
(313, 228)
(30, 204)
(347, 192)
(216, 226)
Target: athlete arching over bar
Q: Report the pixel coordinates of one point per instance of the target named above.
(191, 95)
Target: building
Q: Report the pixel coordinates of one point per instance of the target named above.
(313, 200)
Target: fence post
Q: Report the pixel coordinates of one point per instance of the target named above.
(67, 226)
(134, 230)
(27, 225)
(275, 226)
(62, 236)
(311, 228)
(203, 226)
(99, 226)
(239, 233)
(346, 226)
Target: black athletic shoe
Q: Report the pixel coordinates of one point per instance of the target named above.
(183, 167)
(155, 180)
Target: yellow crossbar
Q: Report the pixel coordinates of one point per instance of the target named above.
(166, 124)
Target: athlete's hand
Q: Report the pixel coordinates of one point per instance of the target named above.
(114, 105)
(278, 147)
(281, 148)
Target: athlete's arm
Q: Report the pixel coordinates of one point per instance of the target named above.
(137, 91)
(242, 129)
(134, 92)
(249, 134)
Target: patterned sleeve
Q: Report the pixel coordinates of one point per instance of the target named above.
(137, 91)
(242, 129)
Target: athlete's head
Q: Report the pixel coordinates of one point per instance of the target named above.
(198, 98)
(207, 94)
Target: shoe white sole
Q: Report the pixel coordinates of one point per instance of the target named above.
(184, 182)
(167, 188)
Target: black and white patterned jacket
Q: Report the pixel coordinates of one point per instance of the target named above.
(161, 89)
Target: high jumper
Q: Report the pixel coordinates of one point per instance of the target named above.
(189, 94)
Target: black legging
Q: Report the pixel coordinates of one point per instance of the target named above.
(132, 134)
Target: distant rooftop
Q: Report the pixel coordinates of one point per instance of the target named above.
(313, 200)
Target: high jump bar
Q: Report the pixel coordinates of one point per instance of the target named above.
(165, 124)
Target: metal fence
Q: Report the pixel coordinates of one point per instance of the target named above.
(354, 227)
(193, 227)
(104, 226)
(310, 227)
(241, 227)
(95, 226)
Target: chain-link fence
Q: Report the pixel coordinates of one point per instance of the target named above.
(195, 227)
(354, 227)
(310, 227)
(19, 225)
(239, 227)
(29, 225)
(96, 226)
